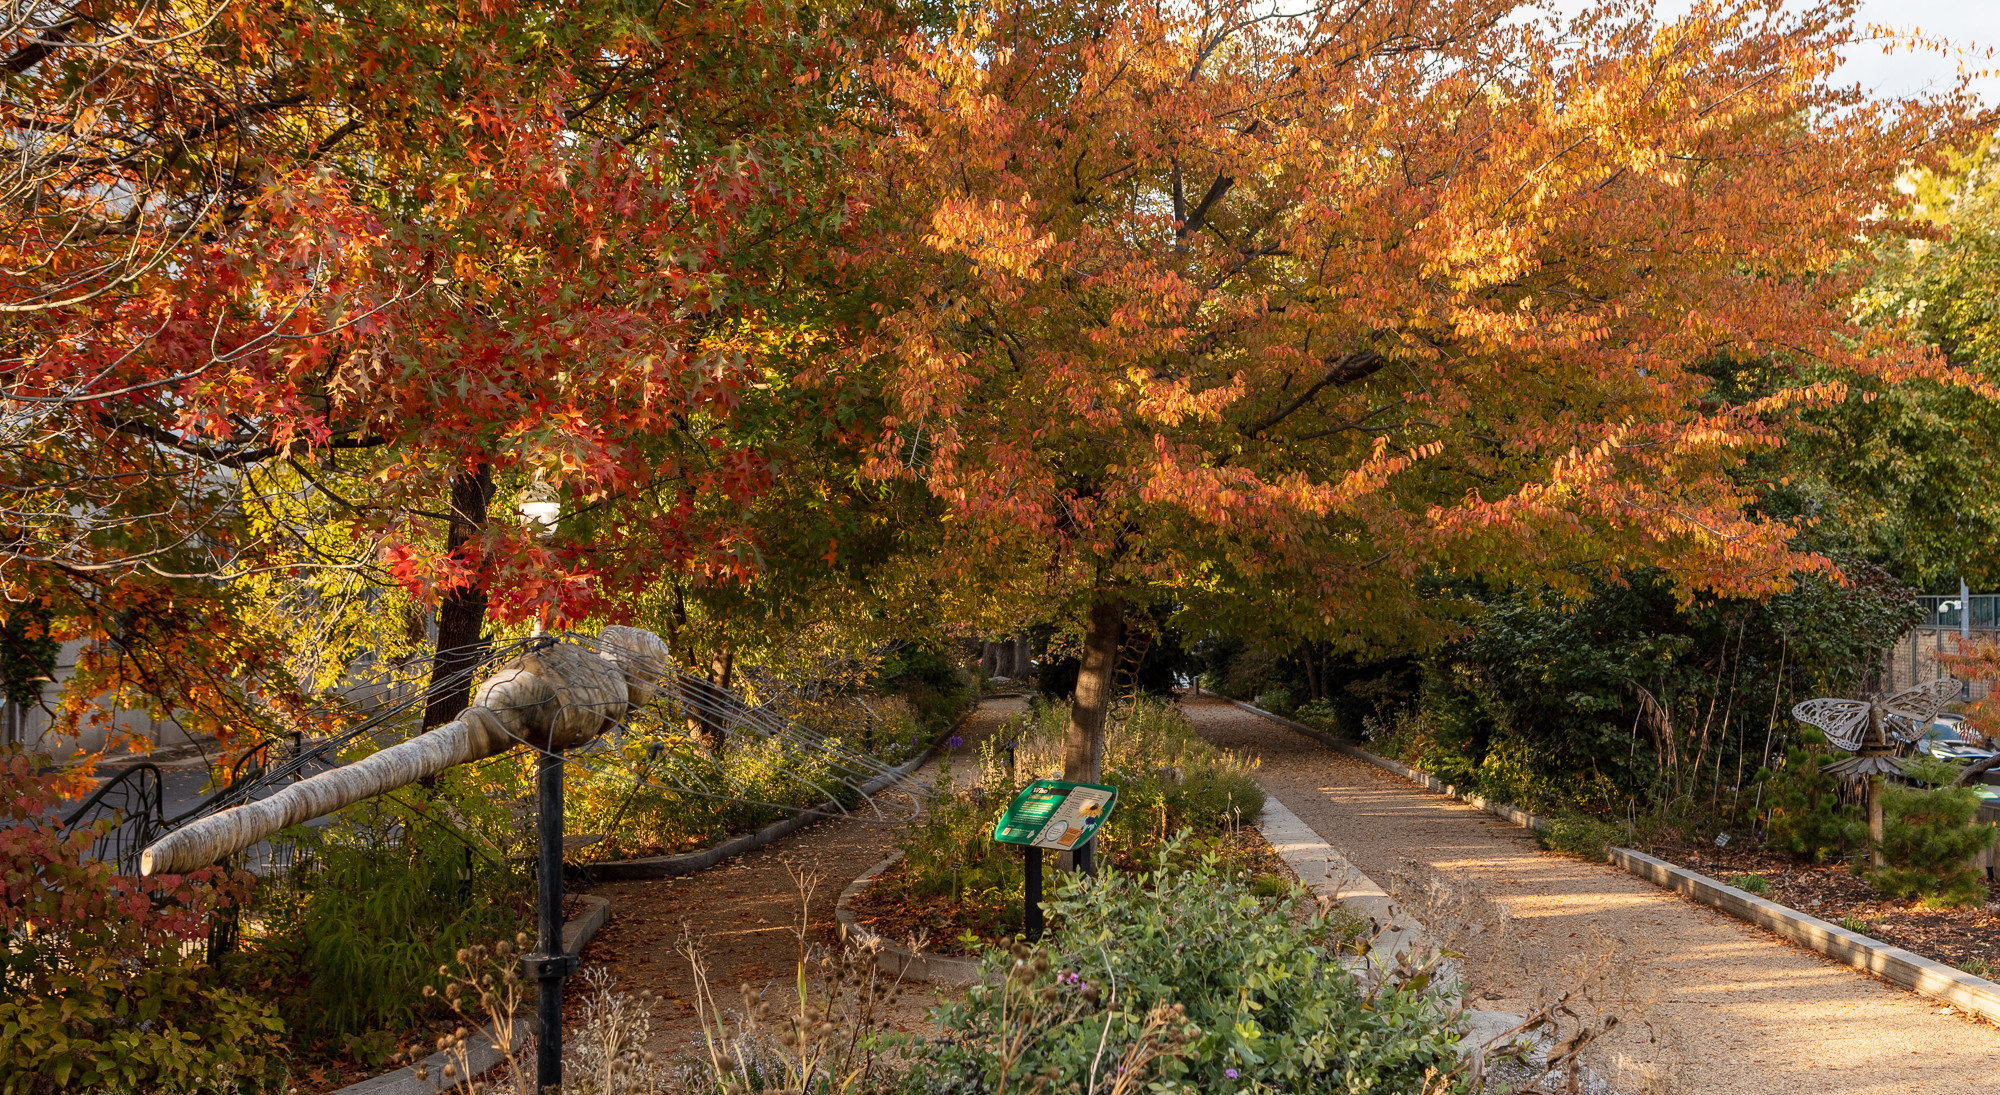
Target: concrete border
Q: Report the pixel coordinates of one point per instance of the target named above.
(668, 866)
(898, 961)
(1891, 963)
(482, 1054)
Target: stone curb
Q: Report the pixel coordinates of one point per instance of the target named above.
(898, 961)
(668, 866)
(1329, 875)
(1893, 964)
(481, 1053)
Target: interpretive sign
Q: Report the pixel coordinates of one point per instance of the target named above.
(1056, 813)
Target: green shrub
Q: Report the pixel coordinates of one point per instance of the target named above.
(1805, 818)
(1580, 836)
(1278, 701)
(1259, 979)
(1750, 883)
(102, 983)
(1928, 835)
(387, 892)
(1170, 783)
(1321, 715)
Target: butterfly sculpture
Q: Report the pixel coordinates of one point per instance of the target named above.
(1872, 728)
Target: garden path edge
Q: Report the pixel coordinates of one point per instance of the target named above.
(1893, 964)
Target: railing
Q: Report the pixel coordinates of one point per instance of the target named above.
(1950, 612)
(136, 801)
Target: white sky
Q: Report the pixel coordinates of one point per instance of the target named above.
(1966, 23)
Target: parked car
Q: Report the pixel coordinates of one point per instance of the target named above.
(1947, 739)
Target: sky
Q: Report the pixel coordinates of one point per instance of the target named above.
(1965, 22)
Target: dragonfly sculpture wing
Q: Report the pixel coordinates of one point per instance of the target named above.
(1844, 722)
(1908, 712)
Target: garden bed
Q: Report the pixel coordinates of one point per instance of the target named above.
(1967, 938)
(961, 925)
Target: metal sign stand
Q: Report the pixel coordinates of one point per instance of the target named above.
(1057, 814)
(1031, 899)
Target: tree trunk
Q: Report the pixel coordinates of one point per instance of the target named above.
(1312, 675)
(711, 704)
(1975, 770)
(1024, 658)
(989, 659)
(1083, 748)
(462, 612)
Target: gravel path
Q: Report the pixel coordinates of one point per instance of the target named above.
(746, 914)
(1737, 1010)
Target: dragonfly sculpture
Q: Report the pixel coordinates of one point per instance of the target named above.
(1875, 730)
(554, 695)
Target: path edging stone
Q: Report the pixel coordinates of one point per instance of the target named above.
(482, 1054)
(668, 866)
(898, 961)
(1891, 963)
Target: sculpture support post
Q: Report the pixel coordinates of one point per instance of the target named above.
(550, 964)
(1875, 856)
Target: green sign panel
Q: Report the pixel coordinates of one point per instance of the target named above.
(1055, 813)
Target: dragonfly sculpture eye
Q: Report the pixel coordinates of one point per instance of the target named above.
(1904, 715)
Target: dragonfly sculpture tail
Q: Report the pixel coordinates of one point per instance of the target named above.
(551, 698)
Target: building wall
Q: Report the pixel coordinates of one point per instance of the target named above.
(1914, 658)
(34, 729)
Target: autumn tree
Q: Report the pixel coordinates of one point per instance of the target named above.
(280, 276)
(1270, 314)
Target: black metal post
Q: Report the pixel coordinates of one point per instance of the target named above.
(549, 965)
(1031, 900)
(1086, 858)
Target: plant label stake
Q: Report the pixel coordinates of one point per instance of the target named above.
(1873, 729)
(1058, 814)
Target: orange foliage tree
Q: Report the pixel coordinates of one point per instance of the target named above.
(1272, 313)
(270, 270)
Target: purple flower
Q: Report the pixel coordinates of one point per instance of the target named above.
(1229, 1072)
(954, 742)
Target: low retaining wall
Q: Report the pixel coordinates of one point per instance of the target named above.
(898, 961)
(668, 866)
(1893, 964)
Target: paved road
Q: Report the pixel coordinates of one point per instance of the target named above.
(1736, 1010)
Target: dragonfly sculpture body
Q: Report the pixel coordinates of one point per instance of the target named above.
(550, 699)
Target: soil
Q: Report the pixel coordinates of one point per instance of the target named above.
(1968, 938)
(939, 925)
(749, 918)
(1712, 1004)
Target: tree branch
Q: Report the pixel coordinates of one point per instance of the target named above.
(1345, 369)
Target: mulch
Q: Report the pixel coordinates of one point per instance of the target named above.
(1968, 938)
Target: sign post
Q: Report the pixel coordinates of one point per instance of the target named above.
(1058, 814)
